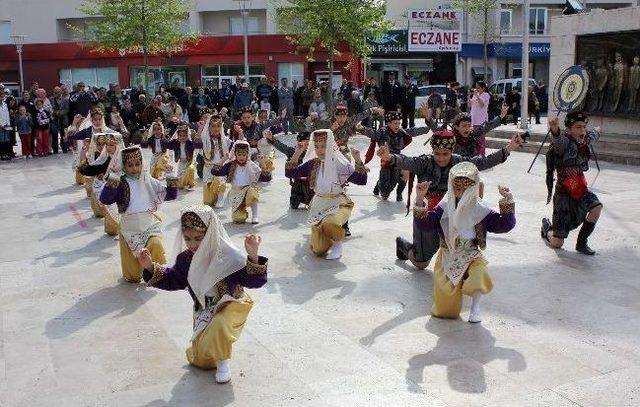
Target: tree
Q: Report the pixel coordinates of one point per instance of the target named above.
(147, 26)
(328, 24)
(483, 12)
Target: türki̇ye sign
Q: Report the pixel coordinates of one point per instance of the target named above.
(434, 30)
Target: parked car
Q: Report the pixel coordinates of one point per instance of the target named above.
(504, 86)
(424, 92)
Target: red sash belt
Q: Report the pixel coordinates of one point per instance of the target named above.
(575, 186)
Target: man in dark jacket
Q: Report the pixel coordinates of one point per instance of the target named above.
(81, 101)
(409, 93)
(391, 93)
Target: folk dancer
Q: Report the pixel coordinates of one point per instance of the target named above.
(243, 174)
(138, 196)
(216, 273)
(435, 167)
(328, 170)
(462, 220)
(573, 203)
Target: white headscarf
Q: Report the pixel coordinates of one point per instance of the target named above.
(144, 181)
(337, 168)
(470, 210)
(210, 146)
(216, 258)
(102, 157)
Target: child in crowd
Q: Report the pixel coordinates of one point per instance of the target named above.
(24, 125)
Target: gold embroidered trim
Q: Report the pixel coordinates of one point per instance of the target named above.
(158, 274)
(313, 176)
(290, 165)
(481, 234)
(232, 172)
(420, 213)
(113, 182)
(507, 206)
(172, 182)
(253, 268)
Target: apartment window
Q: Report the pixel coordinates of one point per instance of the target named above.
(537, 21)
(5, 32)
(505, 21)
(235, 23)
(291, 72)
(100, 77)
(215, 75)
(76, 29)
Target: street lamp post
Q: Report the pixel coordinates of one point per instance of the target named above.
(18, 40)
(524, 102)
(244, 12)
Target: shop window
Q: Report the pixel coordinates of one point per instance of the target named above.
(165, 75)
(100, 77)
(216, 75)
(291, 72)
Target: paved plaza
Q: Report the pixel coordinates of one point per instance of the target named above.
(559, 329)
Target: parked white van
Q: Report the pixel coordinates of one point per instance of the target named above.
(504, 86)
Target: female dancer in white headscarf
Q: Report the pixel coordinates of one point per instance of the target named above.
(328, 170)
(463, 220)
(216, 272)
(103, 157)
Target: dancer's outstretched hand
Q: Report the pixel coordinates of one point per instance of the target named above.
(554, 124)
(505, 192)
(145, 259)
(421, 190)
(268, 135)
(251, 245)
(300, 147)
(384, 153)
(515, 143)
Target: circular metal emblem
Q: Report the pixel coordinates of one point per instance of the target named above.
(571, 88)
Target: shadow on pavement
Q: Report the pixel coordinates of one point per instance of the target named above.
(464, 352)
(198, 387)
(123, 298)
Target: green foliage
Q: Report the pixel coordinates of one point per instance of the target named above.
(312, 24)
(147, 26)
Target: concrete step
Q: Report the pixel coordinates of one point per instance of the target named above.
(619, 156)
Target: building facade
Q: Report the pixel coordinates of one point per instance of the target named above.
(504, 42)
(55, 53)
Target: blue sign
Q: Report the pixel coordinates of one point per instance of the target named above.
(507, 50)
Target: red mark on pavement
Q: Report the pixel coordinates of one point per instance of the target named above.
(77, 217)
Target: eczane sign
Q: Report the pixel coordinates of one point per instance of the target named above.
(434, 30)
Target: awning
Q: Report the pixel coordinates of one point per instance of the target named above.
(401, 60)
(479, 70)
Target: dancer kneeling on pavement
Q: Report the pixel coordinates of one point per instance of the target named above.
(215, 272)
(462, 220)
(243, 174)
(215, 151)
(138, 196)
(328, 170)
(301, 192)
(435, 167)
(573, 203)
(183, 147)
